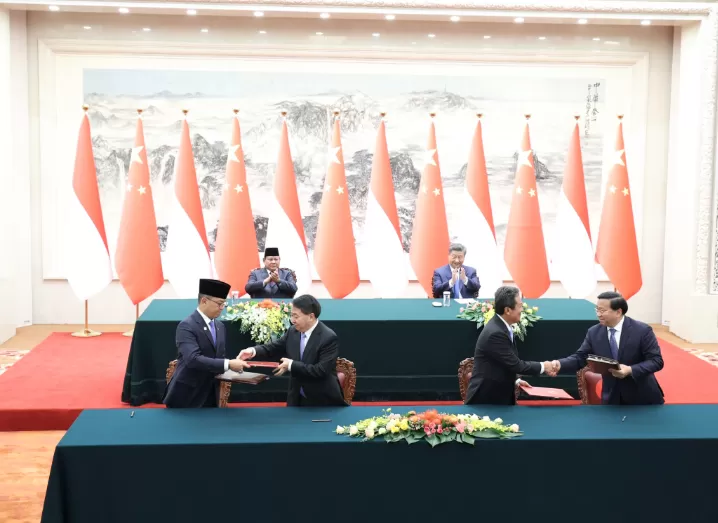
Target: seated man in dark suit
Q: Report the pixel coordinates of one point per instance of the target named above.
(201, 346)
(496, 359)
(454, 277)
(632, 343)
(308, 351)
(271, 282)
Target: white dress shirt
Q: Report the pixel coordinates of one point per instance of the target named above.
(512, 337)
(307, 334)
(619, 328)
(207, 320)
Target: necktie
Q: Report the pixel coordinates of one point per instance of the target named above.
(511, 334)
(613, 344)
(302, 344)
(213, 331)
(457, 288)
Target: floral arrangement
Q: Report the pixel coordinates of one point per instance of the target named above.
(265, 321)
(482, 312)
(430, 426)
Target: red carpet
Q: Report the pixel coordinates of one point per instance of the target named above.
(51, 385)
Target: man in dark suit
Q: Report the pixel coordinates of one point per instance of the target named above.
(200, 342)
(632, 343)
(496, 360)
(308, 351)
(454, 277)
(271, 282)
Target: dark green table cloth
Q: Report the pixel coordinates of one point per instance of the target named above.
(574, 464)
(403, 350)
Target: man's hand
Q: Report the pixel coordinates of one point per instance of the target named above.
(551, 368)
(283, 367)
(523, 383)
(274, 276)
(238, 365)
(454, 275)
(621, 373)
(462, 275)
(246, 354)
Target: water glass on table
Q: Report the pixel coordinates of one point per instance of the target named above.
(447, 298)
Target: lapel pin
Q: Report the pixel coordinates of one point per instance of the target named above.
(205, 328)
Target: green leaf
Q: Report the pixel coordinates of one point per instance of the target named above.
(413, 439)
(467, 438)
(443, 438)
(485, 435)
(432, 440)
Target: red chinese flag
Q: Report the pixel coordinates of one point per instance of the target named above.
(236, 252)
(617, 248)
(430, 235)
(335, 254)
(137, 259)
(524, 249)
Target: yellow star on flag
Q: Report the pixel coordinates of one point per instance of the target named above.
(518, 190)
(618, 159)
(340, 190)
(424, 189)
(625, 191)
(327, 188)
(436, 192)
(532, 193)
(238, 188)
(612, 189)
(142, 190)
(524, 158)
(136, 154)
(129, 187)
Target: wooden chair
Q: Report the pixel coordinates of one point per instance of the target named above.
(347, 375)
(589, 386)
(224, 389)
(466, 367)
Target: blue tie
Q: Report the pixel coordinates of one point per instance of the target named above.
(212, 330)
(511, 334)
(302, 344)
(613, 344)
(457, 288)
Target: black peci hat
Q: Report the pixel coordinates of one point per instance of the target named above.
(271, 251)
(214, 288)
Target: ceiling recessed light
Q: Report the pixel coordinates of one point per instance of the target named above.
(191, 12)
(263, 32)
(455, 18)
(87, 27)
(390, 17)
(53, 8)
(645, 22)
(597, 39)
(204, 30)
(375, 35)
(542, 38)
(146, 29)
(519, 20)
(324, 16)
(582, 21)
(487, 37)
(259, 14)
(431, 35)
(123, 10)
(319, 33)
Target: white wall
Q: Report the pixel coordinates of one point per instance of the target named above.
(53, 302)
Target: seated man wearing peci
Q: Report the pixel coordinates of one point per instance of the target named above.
(271, 281)
(459, 279)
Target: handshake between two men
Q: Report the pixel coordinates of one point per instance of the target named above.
(552, 368)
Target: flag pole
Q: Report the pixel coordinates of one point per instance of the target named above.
(131, 332)
(86, 332)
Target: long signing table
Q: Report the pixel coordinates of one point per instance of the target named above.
(403, 349)
(584, 464)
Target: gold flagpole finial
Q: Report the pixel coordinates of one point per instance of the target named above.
(479, 115)
(139, 112)
(185, 111)
(528, 117)
(620, 117)
(432, 115)
(85, 107)
(235, 111)
(577, 117)
(383, 114)
(336, 113)
(284, 114)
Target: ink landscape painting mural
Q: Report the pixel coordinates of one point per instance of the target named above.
(310, 99)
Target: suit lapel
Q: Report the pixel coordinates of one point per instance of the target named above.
(625, 334)
(204, 328)
(313, 341)
(603, 341)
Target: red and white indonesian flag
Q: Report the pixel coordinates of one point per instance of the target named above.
(89, 269)
(478, 232)
(286, 229)
(574, 259)
(187, 255)
(385, 263)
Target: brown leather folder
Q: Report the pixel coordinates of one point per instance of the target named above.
(601, 364)
(251, 378)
